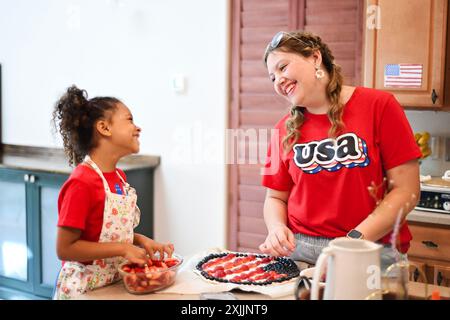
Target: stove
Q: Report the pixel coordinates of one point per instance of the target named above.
(435, 196)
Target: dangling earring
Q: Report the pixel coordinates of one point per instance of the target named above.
(319, 73)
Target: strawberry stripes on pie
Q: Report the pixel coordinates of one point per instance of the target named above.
(247, 268)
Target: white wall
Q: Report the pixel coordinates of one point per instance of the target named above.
(131, 49)
(437, 123)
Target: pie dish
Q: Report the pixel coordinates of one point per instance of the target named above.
(246, 268)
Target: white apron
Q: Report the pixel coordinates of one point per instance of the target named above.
(120, 216)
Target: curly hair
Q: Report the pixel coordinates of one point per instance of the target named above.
(74, 116)
(305, 44)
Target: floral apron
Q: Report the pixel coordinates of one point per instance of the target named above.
(120, 216)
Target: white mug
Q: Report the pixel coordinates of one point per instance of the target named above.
(446, 175)
(353, 270)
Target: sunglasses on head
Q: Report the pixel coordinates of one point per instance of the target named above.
(283, 36)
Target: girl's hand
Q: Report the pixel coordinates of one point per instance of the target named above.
(135, 254)
(279, 242)
(151, 246)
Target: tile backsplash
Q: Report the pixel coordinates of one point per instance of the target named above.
(437, 123)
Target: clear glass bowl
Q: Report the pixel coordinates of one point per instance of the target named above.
(140, 280)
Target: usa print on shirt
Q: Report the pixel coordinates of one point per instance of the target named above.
(347, 150)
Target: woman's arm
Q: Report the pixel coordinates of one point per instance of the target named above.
(402, 197)
(69, 247)
(280, 240)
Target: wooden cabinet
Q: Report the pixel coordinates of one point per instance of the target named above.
(430, 253)
(441, 275)
(417, 271)
(401, 38)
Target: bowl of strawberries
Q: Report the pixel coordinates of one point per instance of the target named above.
(156, 274)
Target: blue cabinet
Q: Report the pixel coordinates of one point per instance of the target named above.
(28, 217)
(30, 180)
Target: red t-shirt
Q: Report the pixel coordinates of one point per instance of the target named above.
(81, 201)
(328, 183)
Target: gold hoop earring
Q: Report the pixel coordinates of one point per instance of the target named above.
(319, 73)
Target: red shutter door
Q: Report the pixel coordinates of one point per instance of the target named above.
(255, 106)
(339, 24)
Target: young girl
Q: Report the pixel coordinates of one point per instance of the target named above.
(97, 207)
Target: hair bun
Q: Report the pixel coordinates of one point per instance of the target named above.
(76, 97)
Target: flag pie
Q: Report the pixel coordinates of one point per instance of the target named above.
(403, 75)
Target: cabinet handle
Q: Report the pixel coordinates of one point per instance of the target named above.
(439, 278)
(32, 179)
(434, 96)
(430, 244)
(26, 178)
(416, 275)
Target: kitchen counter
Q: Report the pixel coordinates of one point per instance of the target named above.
(428, 217)
(117, 292)
(54, 161)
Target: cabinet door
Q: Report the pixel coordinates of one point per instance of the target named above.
(405, 49)
(44, 197)
(441, 275)
(417, 271)
(14, 257)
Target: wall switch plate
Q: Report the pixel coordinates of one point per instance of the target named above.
(447, 149)
(179, 83)
(434, 145)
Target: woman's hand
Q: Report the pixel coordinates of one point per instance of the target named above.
(279, 242)
(151, 246)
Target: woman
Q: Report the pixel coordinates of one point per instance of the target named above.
(335, 143)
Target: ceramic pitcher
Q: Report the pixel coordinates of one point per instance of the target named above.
(353, 269)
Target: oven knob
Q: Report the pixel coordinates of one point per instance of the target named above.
(447, 205)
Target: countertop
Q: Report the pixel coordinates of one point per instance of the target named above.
(117, 291)
(428, 217)
(54, 161)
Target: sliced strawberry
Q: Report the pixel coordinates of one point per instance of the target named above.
(245, 276)
(139, 269)
(229, 257)
(262, 276)
(245, 267)
(170, 262)
(228, 265)
(219, 274)
(266, 260)
(156, 263)
(218, 268)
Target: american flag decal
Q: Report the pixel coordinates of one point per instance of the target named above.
(403, 75)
